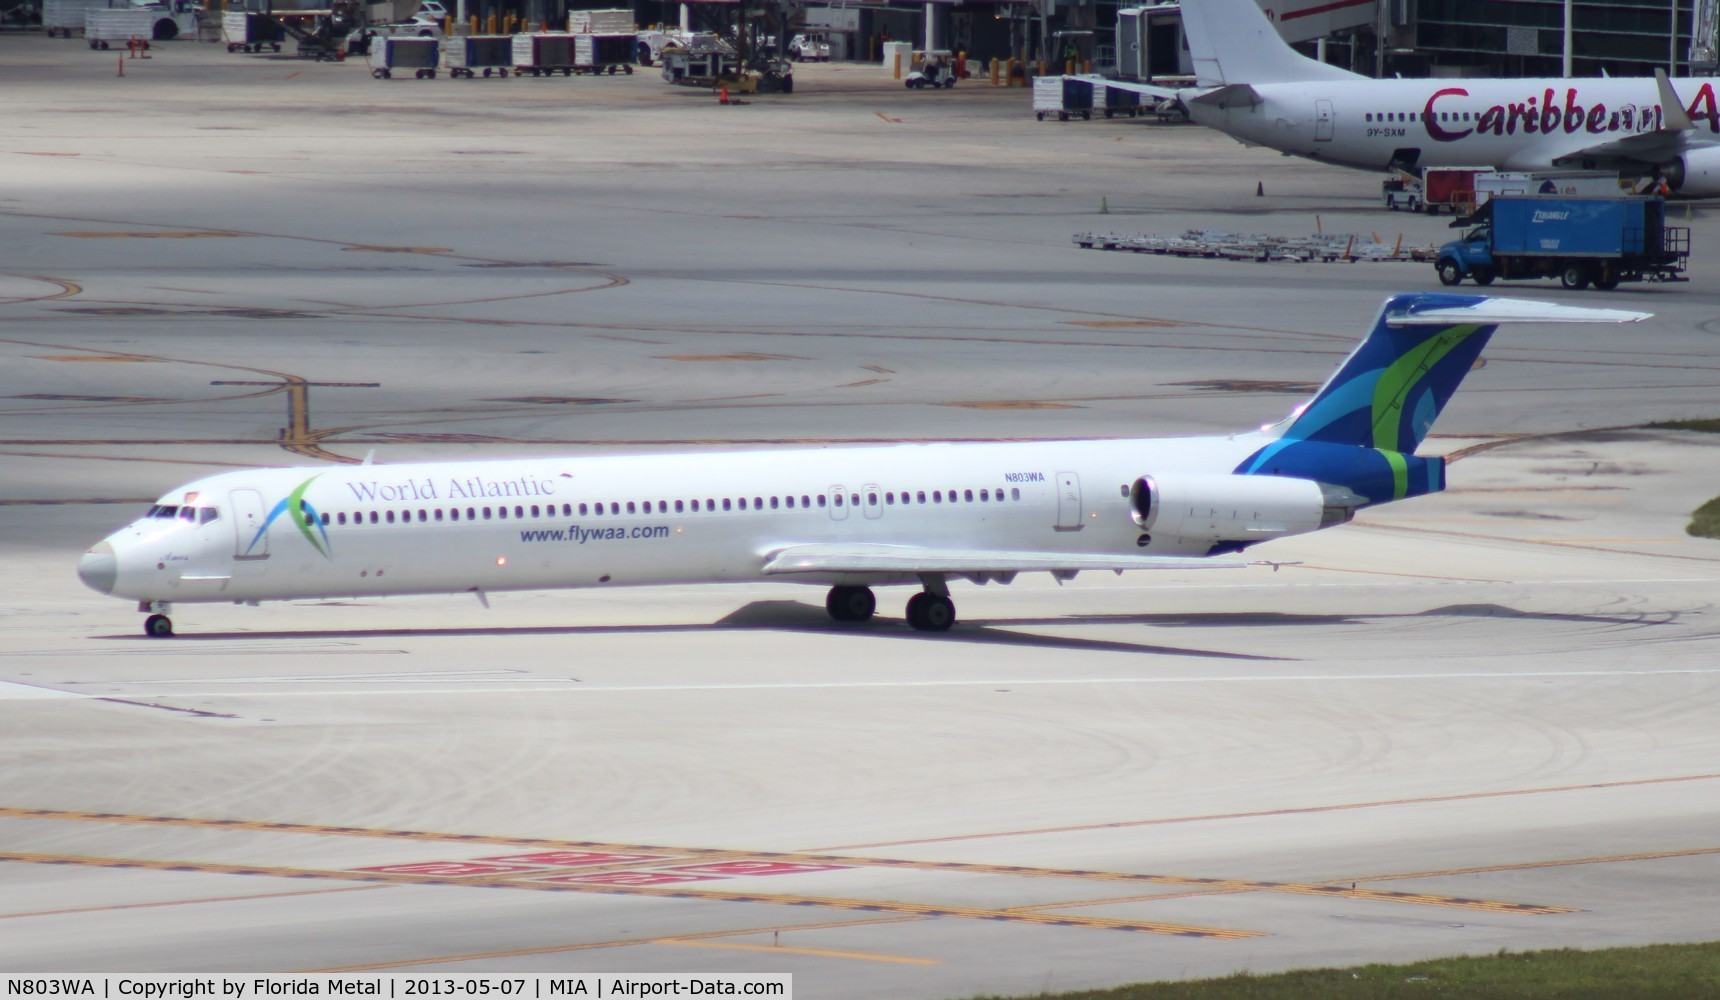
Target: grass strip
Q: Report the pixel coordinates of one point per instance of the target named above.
(1658, 972)
(1709, 425)
(1705, 521)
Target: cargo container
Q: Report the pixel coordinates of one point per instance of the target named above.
(595, 53)
(416, 54)
(1581, 241)
(543, 54)
(245, 31)
(465, 56)
(65, 18)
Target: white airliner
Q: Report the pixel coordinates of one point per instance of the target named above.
(845, 518)
(1255, 87)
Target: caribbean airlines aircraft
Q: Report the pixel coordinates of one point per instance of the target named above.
(1255, 87)
(845, 518)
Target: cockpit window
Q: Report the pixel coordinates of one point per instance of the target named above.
(207, 514)
(188, 514)
(164, 510)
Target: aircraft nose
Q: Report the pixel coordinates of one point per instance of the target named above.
(99, 568)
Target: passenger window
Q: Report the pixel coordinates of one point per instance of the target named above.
(984, 496)
(340, 518)
(389, 517)
(614, 508)
(374, 519)
(710, 505)
(662, 506)
(486, 513)
(854, 500)
(773, 503)
(501, 513)
(726, 504)
(838, 500)
(967, 495)
(438, 514)
(1015, 493)
(630, 508)
(520, 511)
(890, 498)
(920, 496)
(789, 500)
(680, 505)
(453, 513)
(471, 513)
(534, 510)
(822, 501)
(695, 506)
(937, 496)
(758, 503)
(743, 503)
(806, 501)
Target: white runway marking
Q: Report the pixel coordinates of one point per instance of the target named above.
(29, 692)
(573, 687)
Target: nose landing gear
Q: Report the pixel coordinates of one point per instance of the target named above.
(157, 625)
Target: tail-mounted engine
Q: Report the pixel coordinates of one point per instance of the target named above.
(1237, 508)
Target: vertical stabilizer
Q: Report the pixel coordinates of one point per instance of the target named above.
(1232, 42)
(1361, 429)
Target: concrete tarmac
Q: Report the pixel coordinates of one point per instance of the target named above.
(1471, 722)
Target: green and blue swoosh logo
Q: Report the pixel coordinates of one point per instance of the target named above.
(303, 516)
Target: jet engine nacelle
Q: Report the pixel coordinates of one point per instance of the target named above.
(1696, 174)
(1237, 508)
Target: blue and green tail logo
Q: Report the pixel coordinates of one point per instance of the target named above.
(1362, 428)
(303, 516)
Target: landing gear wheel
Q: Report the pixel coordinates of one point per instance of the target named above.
(1448, 273)
(850, 604)
(1575, 277)
(931, 613)
(158, 627)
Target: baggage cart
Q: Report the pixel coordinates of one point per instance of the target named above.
(64, 18)
(1062, 96)
(543, 55)
(1117, 101)
(593, 53)
(465, 55)
(246, 31)
(416, 54)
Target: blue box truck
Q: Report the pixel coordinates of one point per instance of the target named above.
(1581, 241)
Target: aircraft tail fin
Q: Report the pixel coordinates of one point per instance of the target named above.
(1231, 41)
(1363, 426)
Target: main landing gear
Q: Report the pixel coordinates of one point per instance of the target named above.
(157, 625)
(931, 610)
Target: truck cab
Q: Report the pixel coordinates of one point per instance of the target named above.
(1470, 256)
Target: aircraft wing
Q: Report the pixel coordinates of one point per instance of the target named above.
(1650, 148)
(1238, 95)
(862, 558)
(1151, 90)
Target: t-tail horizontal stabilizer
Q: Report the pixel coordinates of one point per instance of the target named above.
(1361, 429)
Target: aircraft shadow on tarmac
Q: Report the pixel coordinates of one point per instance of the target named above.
(795, 616)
